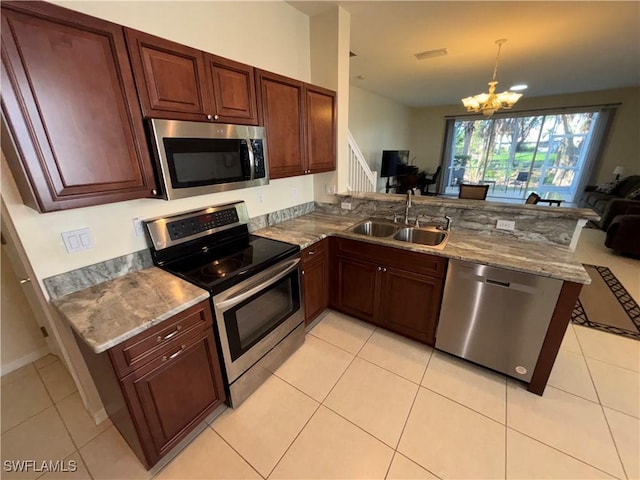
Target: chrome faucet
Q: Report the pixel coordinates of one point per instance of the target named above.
(407, 206)
(447, 225)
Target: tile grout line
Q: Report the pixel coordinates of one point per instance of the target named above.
(562, 452)
(606, 420)
(319, 403)
(225, 441)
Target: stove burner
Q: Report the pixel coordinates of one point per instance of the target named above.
(221, 268)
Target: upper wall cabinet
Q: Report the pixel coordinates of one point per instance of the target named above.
(178, 82)
(300, 122)
(70, 109)
(282, 103)
(320, 113)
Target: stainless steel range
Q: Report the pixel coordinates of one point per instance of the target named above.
(254, 284)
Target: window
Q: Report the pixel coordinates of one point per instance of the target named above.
(546, 153)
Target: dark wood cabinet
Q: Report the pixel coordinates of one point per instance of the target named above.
(182, 83)
(234, 90)
(70, 109)
(160, 384)
(315, 279)
(300, 121)
(395, 289)
(281, 101)
(321, 129)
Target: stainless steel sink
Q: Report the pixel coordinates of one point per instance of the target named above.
(375, 228)
(382, 228)
(423, 236)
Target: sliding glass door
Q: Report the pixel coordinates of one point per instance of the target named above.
(518, 155)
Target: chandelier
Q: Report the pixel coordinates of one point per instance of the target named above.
(490, 102)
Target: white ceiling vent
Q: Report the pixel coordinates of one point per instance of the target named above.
(440, 52)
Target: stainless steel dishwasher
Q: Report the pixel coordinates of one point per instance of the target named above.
(494, 317)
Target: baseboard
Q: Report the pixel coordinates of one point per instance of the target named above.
(22, 361)
(100, 416)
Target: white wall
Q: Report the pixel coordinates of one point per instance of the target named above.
(378, 123)
(622, 146)
(22, 341)
(235, 30)
(330, 33)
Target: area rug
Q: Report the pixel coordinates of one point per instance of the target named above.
(606, 305)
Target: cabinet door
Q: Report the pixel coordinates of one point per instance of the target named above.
(315, 280)
(410, 304)
(321, 129)
(175, 392)
(234, 90)
(71, 108)
(281, 101)
(171, 78)
(358, 288)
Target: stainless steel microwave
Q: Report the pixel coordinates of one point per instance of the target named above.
(198, 158)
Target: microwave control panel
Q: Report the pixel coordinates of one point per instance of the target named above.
(258, 156)
(201, 223)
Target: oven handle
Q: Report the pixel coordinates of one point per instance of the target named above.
(272, 278)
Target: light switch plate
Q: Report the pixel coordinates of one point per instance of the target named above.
(506, 225)
(77, 240)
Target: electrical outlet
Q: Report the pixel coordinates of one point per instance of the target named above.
(330, 189)
(294, 192)
(138, 227)
(345, 206)
(506, 225)
(77, 240)
(260, 198)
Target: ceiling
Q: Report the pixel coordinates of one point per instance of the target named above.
(554, 47)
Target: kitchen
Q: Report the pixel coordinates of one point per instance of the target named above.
(117, 217)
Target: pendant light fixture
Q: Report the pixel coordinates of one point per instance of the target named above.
(488, 103)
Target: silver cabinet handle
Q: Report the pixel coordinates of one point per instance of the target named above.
(175, 354)
(154, 192)
(311, 252)
(379, 269)
(209, 117)
(25, 280)
(171, 335)
(216, 117)
(384, 269)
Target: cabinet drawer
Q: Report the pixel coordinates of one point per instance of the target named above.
(393, 257)
(318, 249)
(153, 342)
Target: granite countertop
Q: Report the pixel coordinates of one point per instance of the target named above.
(543, 259)
(500, 207)
(107, 314)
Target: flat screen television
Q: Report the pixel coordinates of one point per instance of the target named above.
(394, 163)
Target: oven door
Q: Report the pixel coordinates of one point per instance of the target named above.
(256, 314)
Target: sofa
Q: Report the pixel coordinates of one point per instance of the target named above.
(623, 234)
(609, 205)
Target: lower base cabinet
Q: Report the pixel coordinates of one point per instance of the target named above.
(315, 279)
(395, 289)
(159, 385)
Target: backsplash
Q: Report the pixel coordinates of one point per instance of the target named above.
(85, 277)
(533, 223)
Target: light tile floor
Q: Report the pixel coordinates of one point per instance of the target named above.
(360, 402)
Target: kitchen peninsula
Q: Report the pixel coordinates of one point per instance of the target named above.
(365, 266)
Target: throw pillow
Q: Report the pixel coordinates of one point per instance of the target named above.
(634, 194)
(607, 187)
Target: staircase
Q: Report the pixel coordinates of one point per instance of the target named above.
(361, 177)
